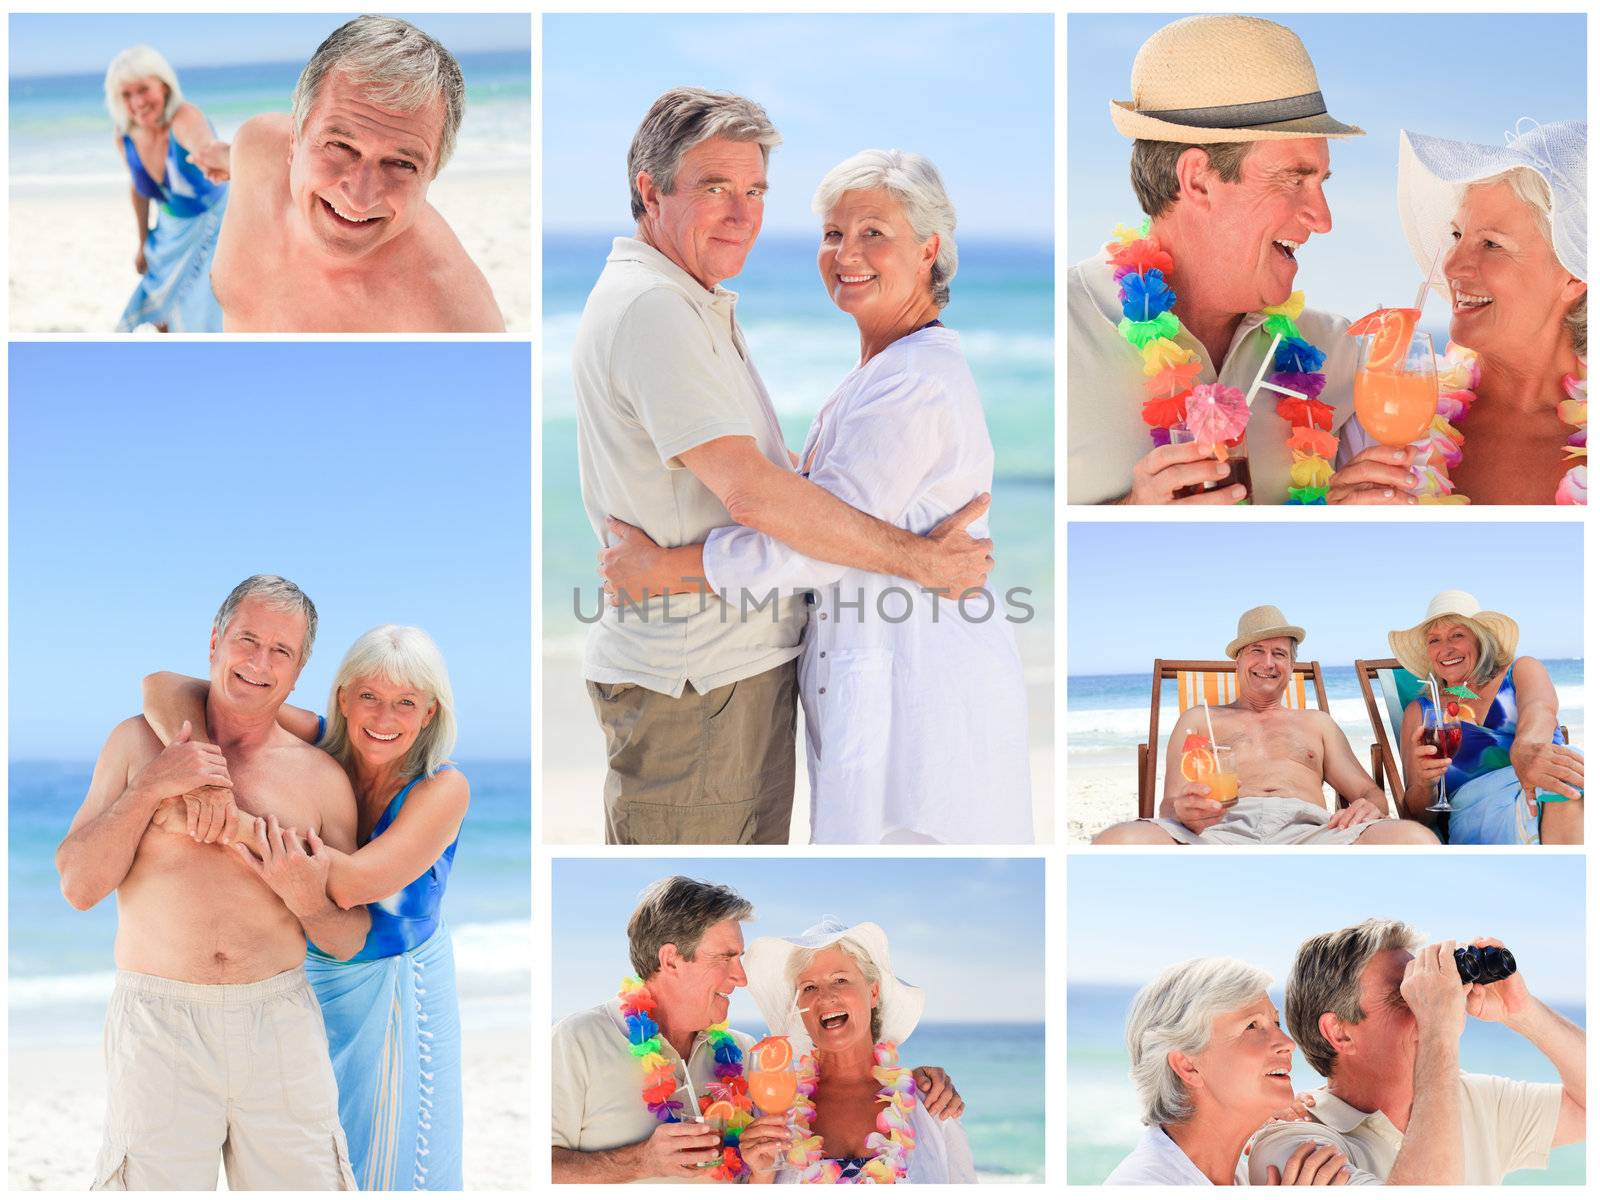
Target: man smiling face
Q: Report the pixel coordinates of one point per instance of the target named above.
(256, 659)
(359, 173)
(1264, 668)
(696, 990)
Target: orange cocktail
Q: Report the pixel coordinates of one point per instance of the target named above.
(1213, 767)
(1396, 407)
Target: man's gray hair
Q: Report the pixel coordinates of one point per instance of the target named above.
(397, 66)
(1530, 187)
(681, 119)
(1154, 169)
(915, 183)
(1175, 1011)
(408, 658)
(804, 956)
(677, 912)
(1488, 647)
(276, 592)
(1327, 979)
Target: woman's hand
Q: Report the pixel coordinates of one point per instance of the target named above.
(1424, 763)
(634, 567)
(1313, 1163)
(1378, 475)
(1298, 1109)
(139, 263)
(297, 872)
(1544, 765)
(764, 1141)
(213, 161)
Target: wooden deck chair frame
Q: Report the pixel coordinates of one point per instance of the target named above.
(1171, 668)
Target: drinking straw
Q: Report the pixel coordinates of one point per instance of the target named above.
(1261, 377)
(1427, 280)
(688, 1086)
(1211, 733)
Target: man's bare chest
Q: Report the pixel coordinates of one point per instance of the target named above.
(1277, 739)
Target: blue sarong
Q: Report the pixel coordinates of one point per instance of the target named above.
(394, 1033)
(1491, 810)
(175, 291)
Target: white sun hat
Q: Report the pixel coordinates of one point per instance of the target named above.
(1433, 172)
(1410, 646)
(766, 964)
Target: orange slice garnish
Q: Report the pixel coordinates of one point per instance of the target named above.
(1390, 330)
(1197, 761)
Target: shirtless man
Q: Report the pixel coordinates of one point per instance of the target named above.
(214, 1040)
(328, 227)
(1283, 756)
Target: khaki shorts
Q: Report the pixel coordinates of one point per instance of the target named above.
(716, 768)
(195, 1070)
(1267, 821)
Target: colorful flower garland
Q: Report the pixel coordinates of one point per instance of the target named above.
(891, 1144)
(727, 1095)
(1141, 266)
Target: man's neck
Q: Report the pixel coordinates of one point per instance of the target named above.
(644, 234)
(1252, 705)
(1389, 1095)
(239, 732)
(1210, 320)
(680, 1034)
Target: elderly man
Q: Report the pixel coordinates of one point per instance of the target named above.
(329, 228)
(685, 944)
(677, 437)
(1381, 1021)
(1283, 758)
(1230, 154)
(214, 1041)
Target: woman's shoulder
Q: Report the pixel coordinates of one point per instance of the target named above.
(447, 783)
(920, 366)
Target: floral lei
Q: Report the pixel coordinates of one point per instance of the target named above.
(728, 1095)
(891, 1144)
(1140, 266)
(1442, 445)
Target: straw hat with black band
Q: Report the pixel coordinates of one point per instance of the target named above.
(1410, 646)
(1219, 78)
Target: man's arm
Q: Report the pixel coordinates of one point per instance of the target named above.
(1343, 771)
(1432, 1150)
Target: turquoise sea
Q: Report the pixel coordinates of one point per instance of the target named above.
(999, 1070)
(61, 966)
(1103, 1115)
(1003, 307)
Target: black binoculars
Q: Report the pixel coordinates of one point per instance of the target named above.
(1485, 964)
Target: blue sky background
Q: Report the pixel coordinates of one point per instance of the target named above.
(1451, 75)
(968, 931)
(389, 480)
(1176, 907)
(973, 93)
(1346, 584)
(62, 44)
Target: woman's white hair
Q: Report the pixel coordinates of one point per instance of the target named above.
(1530, 187)
(407, 657)
(804, 956)
(915, 183)
(1174, 1012)
(139, 62)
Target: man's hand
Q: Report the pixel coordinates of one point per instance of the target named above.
(1423, 762)
(1503, 1001)
(1169, 469)
(764, 1141)
(1378, 475)
(1433, 991)
(297, 873)
(183, 766)
(1194, 807)
(939, 1095)
(1360, 809)
(1312, 1163)
(1545, 765)
(954, 561)
(678, 1150)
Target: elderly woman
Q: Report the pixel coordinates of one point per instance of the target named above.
(177, 163)
(1508, 227)
(914, 704)
(859, 1118)
(393, 1028)
(1513, 780)
(1211, 1067)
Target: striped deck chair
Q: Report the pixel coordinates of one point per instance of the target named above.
(1216, 681)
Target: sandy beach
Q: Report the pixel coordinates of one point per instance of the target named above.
(56, 1105)
(72, 247)
(574, 752)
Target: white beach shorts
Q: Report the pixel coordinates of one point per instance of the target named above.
(1267, 821)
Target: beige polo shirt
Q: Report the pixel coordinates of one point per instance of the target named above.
(1105, 390)
(661, 367)
(595, 1081)
(1506, 1125)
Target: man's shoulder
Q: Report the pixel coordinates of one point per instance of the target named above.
(1275, 1142)
(587, 1024)
(459, 297)
(261, 144)
(133, 738)
(315, 765)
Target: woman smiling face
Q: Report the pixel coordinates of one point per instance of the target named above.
(384, 718)
(1452, 651)
(146, 101)
(835, 1000)
(872, 262)
(1245, 1066)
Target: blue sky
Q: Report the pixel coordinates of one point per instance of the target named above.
(968, 931)
(389, 480)
(61, 44)
(1177, 907)
(1451, 75)
(1346, 584)
(973, 93)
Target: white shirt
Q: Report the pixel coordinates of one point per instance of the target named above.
(1157, 1159)
(941, 1155)
(1506, 1125)
(660, 366)
(1106, 436)
(596, 1082)
(916, 717)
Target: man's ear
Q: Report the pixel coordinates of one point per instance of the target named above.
(212, 650)
(1196, 177)
(648, 194)
(1335, 1032)
(668, 958)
